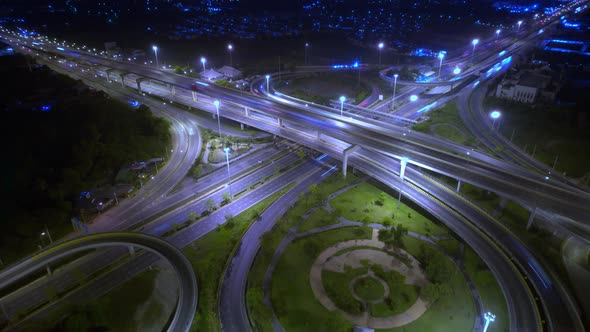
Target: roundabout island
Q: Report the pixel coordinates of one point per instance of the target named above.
(344, 255)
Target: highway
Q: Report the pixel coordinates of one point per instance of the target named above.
(187, 295)
(361, 134)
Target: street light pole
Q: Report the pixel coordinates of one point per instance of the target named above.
(203, 61)
(230, 47)
(342, 100)
(403, 163)
(519, 23)
(305, 57)
(46, 232)
(228, 173)
(394, 87)
(489, 318)
(216, 103)
(497, 34)
(474, 42)
(267, 84)
(495, 115)
(441, 55)
(155, 48)
(380, 46)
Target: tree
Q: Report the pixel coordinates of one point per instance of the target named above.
(226, 197)
(434, 291)
(301, 153)
(210, 204)
(256, 215)
(192, 216)
(438, 269)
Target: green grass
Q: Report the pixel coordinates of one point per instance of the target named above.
(272, 239)
(207, 256)
(553, 129)
(489, 290)
(368, 288)
(450, 246)
(292, 297)
(336, 285)
(454, 312)
(404, 293)
(448, 114)
(359, 204)
(487, 200)
(217, 156)
(447, 131)
(318, 218)
(116, 310)
(325, 87)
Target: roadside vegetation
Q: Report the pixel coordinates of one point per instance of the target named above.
(70, 139)
(446, 122)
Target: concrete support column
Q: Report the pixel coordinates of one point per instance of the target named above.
(131, 250)
(48, 269)
(172, 90)
(531, 218)
(319, 135)
(194, 93)
(345, 155)
(459, 186)
(241, 126)
(122, 76)
(246, 111)
(280, 122)
(139, 80)
(108, 71)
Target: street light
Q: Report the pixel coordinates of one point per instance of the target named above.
(402, 171)
(230, 48)
(46, 232)
(519, 23)
(267, 79)
(497, 34)
(413, 98)
(305, 57)
(216, 103)
(474, 42)
(495, 115)
(457, 71)
(380, 46)
(489, 318)
(441, 55)
(226, 149)
(155, 48)
(342, 100)
(394, 87)
(203, 61)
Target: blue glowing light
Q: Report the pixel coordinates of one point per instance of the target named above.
(134, 103)
(495, 114)
(475, 84)
(413, 98)
(45, 108)
(202, 83)
(501, 53)
(457, 71)
(61, 48)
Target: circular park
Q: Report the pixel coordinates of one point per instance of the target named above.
(344, 255)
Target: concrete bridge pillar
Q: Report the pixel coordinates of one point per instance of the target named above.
(108, 71)
(172, 90)
(246, 111)
(241, 126)
(531, 218)
(194, 93)
(122, 76)
(459, 186)
(139, 80)
(279, 122)
(131, 251)
(345, 155)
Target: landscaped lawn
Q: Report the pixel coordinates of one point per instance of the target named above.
(208, 256)
(368, 288)
(270, 241)
(318, 218)
(446, 116)
(292, 297)
(360, 204)
(488, 200)
(454, 312)
(489, 290)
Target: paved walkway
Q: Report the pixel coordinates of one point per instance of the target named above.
(292, 235)
(327, 260)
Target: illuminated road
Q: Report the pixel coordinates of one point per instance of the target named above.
(187, 295)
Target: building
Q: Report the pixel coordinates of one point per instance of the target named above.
(528, 87)
(211, 75)
(230, 73)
